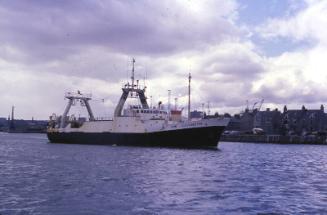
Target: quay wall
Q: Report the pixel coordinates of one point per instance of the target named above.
(292, 139)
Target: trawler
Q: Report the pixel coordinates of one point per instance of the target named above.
(139, 125)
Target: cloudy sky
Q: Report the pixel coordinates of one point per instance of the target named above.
(236, 51)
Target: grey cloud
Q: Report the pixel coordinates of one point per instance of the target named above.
(234, 63)
(94, 63)
(229, 76)
(233, 94)
(286, 93)
(55, 29)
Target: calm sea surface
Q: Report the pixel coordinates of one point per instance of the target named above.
(240, 178)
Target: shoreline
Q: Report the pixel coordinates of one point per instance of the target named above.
(280, 139)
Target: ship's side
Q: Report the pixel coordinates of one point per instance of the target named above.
(192, 137)
(199, 134)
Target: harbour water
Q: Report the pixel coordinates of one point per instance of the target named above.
(37, 177)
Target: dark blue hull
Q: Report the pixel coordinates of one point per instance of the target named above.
(185, 138)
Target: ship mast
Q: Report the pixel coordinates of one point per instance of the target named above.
(12, 122)
(189, 96)
(129, 90)
(12, 113)
(169, 95)
(133, 73)
(169, 108)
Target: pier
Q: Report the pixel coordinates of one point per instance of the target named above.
(281, 139)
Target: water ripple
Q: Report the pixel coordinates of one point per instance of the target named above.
(240, 178)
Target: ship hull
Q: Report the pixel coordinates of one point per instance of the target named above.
(185, 138)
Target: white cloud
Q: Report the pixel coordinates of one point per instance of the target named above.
(40, 94)
(298, 76)
(52, 47)
(223, 74)
(308, 24)
(215, 70)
